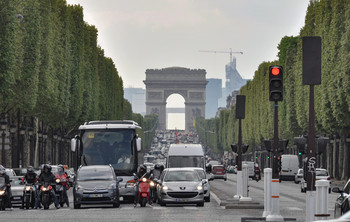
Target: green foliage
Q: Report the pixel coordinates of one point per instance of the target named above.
(331, 21)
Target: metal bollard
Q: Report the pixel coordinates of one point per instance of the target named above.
(239, 193)
(267, 191)
(321, 212)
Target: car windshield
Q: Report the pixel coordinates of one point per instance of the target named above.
(185, 161)
(95, 174)
(301, 171)
(321, 173)
(16, 182)
(181, 176)
(201, 174)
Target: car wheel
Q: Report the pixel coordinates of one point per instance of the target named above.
(116, 205)
(76, 206)
(329, 190)
(161, 203)
(200, 204)
(207, 199)
(225, 179)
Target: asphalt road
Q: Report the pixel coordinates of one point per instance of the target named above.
(292, 206)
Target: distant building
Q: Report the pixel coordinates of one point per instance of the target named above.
(234, 80)
(137, 98)
(213, 94)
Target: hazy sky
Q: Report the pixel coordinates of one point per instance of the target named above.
(149, 34)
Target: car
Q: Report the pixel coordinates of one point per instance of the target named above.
(10, 172)
(250, 168)
(180, 186)
(321, 174)
(17, 187)
(342, 204)
(20, 171)
(203, 176)
(96, 184)
(218, 172)
(299, 176)
(289, 167)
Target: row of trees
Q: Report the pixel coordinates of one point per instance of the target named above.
(330, 20)
(53, 75)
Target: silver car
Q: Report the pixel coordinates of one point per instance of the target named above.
(299, 177)
(206, 185)
(180, 185)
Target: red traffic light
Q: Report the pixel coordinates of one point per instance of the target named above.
(275, 71)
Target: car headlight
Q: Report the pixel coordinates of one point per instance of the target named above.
(130, 183)
(165, 188)
(2, 192)
(151, 184)
(111, 187)
(28, 188)
(199, 187)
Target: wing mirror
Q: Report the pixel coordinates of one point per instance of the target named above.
(119, 179)
(210, 179)
(138, 144)
(336, 190)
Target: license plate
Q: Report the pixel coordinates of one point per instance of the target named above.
(96, 195)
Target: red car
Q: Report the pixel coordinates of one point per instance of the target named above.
(218, 172)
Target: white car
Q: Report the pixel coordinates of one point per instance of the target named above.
(299, 177)
(321, 174)
(206, 186)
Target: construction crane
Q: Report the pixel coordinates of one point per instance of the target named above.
(222, 52)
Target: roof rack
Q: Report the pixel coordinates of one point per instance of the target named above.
(103, 122)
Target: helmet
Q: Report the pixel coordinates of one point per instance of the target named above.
(157, 166)
(46, 166)
(60, 168)
(41, 167)
(30, 169)
(143, 169)
(2, 170)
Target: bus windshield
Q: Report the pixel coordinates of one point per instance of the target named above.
(106, 146)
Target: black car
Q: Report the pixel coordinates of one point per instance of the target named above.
(342, 204)
(96, 185)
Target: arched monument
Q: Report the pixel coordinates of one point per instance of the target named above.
(189, 83)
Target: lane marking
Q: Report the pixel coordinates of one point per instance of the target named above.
(216, 198)
(190, 208)
(294, 209)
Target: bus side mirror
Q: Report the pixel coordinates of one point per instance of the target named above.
(138, 144)
(73, 144)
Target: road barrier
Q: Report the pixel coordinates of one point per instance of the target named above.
(322, 187)
(267, 191)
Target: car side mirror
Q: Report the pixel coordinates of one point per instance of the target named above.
(336, 190)
(73, 144)
(138, 144)
(21, 183)
(204, 181)
(119, 179)
(210, 179)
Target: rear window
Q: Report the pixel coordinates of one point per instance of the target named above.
(220, 168)
(95, 174)
(321, 173)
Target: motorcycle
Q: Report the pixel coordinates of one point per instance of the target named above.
(3, 194)
(257, 176)
(46, 198)
(145, 186)
(59, 190)
(29, 195)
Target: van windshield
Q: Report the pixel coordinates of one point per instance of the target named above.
(186, 161)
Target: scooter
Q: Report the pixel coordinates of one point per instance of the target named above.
(145, 186)
(46, 198)
(59, 190)
(29, 195)
(257, 176)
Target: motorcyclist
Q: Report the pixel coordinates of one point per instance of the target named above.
(63, 175)
(48, 177)
(157, 171)
(141, 173)
(8, 184)
(257, 171)
(31, 178)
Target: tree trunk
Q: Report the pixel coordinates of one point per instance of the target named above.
(341, 157)
(345, 157)
(36, 148)
(330, 159)
(335, 156)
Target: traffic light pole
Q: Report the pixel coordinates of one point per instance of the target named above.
(275, 203)
(239, 187)
(311, 161)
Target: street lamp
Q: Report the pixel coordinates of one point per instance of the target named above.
(31, 151)
(59, 139)
(40, 135)
(13, 129)
(44, 146)
(3, 127)
(22, 131)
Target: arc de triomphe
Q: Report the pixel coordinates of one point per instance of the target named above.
(189, 83)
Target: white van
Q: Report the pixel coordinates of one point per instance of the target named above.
(290, 166)
(185, 155)
(250, 168)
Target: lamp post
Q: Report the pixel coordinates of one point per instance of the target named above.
(31, 151)
(44, 146)
(59, 149)
(13, 128)
(3, 128)
(40, 135)
(22, 131)
(54, 148)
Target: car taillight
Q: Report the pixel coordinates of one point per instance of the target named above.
(328, 178)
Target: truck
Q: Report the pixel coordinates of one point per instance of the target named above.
(185, 155)
(114, 143)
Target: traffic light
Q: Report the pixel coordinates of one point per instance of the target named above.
(268, 145)
(282, 145)
(234, 148)
(322, 144)
(245, 148)
(276, 83)
(300, 142)
(278, 164)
